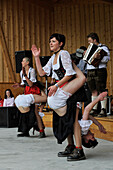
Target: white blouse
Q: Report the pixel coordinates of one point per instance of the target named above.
(66, 62)
(32, 76)
(8, 102)
(85, 125)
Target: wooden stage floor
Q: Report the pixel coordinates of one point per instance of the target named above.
(107, 122)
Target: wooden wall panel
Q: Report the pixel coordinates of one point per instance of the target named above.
(26, 27)
(16, 33)
(25, 23)
(111, 46)
(102, 23)
(21, 27)
(5, 85)
(32, 25)
(8, 68)
(82, 25)
(73, 29)
(11, 32)
(69, 27)
(5, 28)
(1, 65)
(96, 17)
(91, 18)
(81, 19)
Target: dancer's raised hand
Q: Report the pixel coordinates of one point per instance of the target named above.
(102, 96)
(35, 51)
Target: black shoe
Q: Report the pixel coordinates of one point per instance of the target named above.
(78, 154)
(68, 150)
(23, 135)
(42, 135)
(94, 112)
(102, 113)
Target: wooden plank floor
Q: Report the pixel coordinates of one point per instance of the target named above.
(107, 122)
(48, 119)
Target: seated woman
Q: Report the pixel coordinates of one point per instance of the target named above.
(8, 99)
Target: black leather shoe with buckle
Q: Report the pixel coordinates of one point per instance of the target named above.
(102, 113)
(23, 135)
(42, 135)
(94, 112)
(78, 154)
(68, 150)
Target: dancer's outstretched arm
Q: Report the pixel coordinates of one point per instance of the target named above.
(36, 53)
(92, 104)
(100, 126)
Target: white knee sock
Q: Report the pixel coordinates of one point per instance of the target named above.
(41, 114)
(103, 104)
(93, 98)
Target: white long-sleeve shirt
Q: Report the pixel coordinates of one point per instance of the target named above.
(103, 63)
(85, 125)
(8, 102)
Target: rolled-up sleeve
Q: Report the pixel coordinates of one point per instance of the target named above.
(47, 68)
(67, 63)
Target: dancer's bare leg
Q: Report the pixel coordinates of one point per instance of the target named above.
(23, 102)
(77, 130)
(72, 87)
(70, 139)
(40, 98)
(76, 83)
(92, 104)
(41, 107)
(38, 118)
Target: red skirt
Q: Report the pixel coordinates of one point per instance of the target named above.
(32, 90)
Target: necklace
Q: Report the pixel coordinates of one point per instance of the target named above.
(57, 51)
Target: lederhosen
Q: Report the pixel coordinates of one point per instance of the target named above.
(97, 78)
